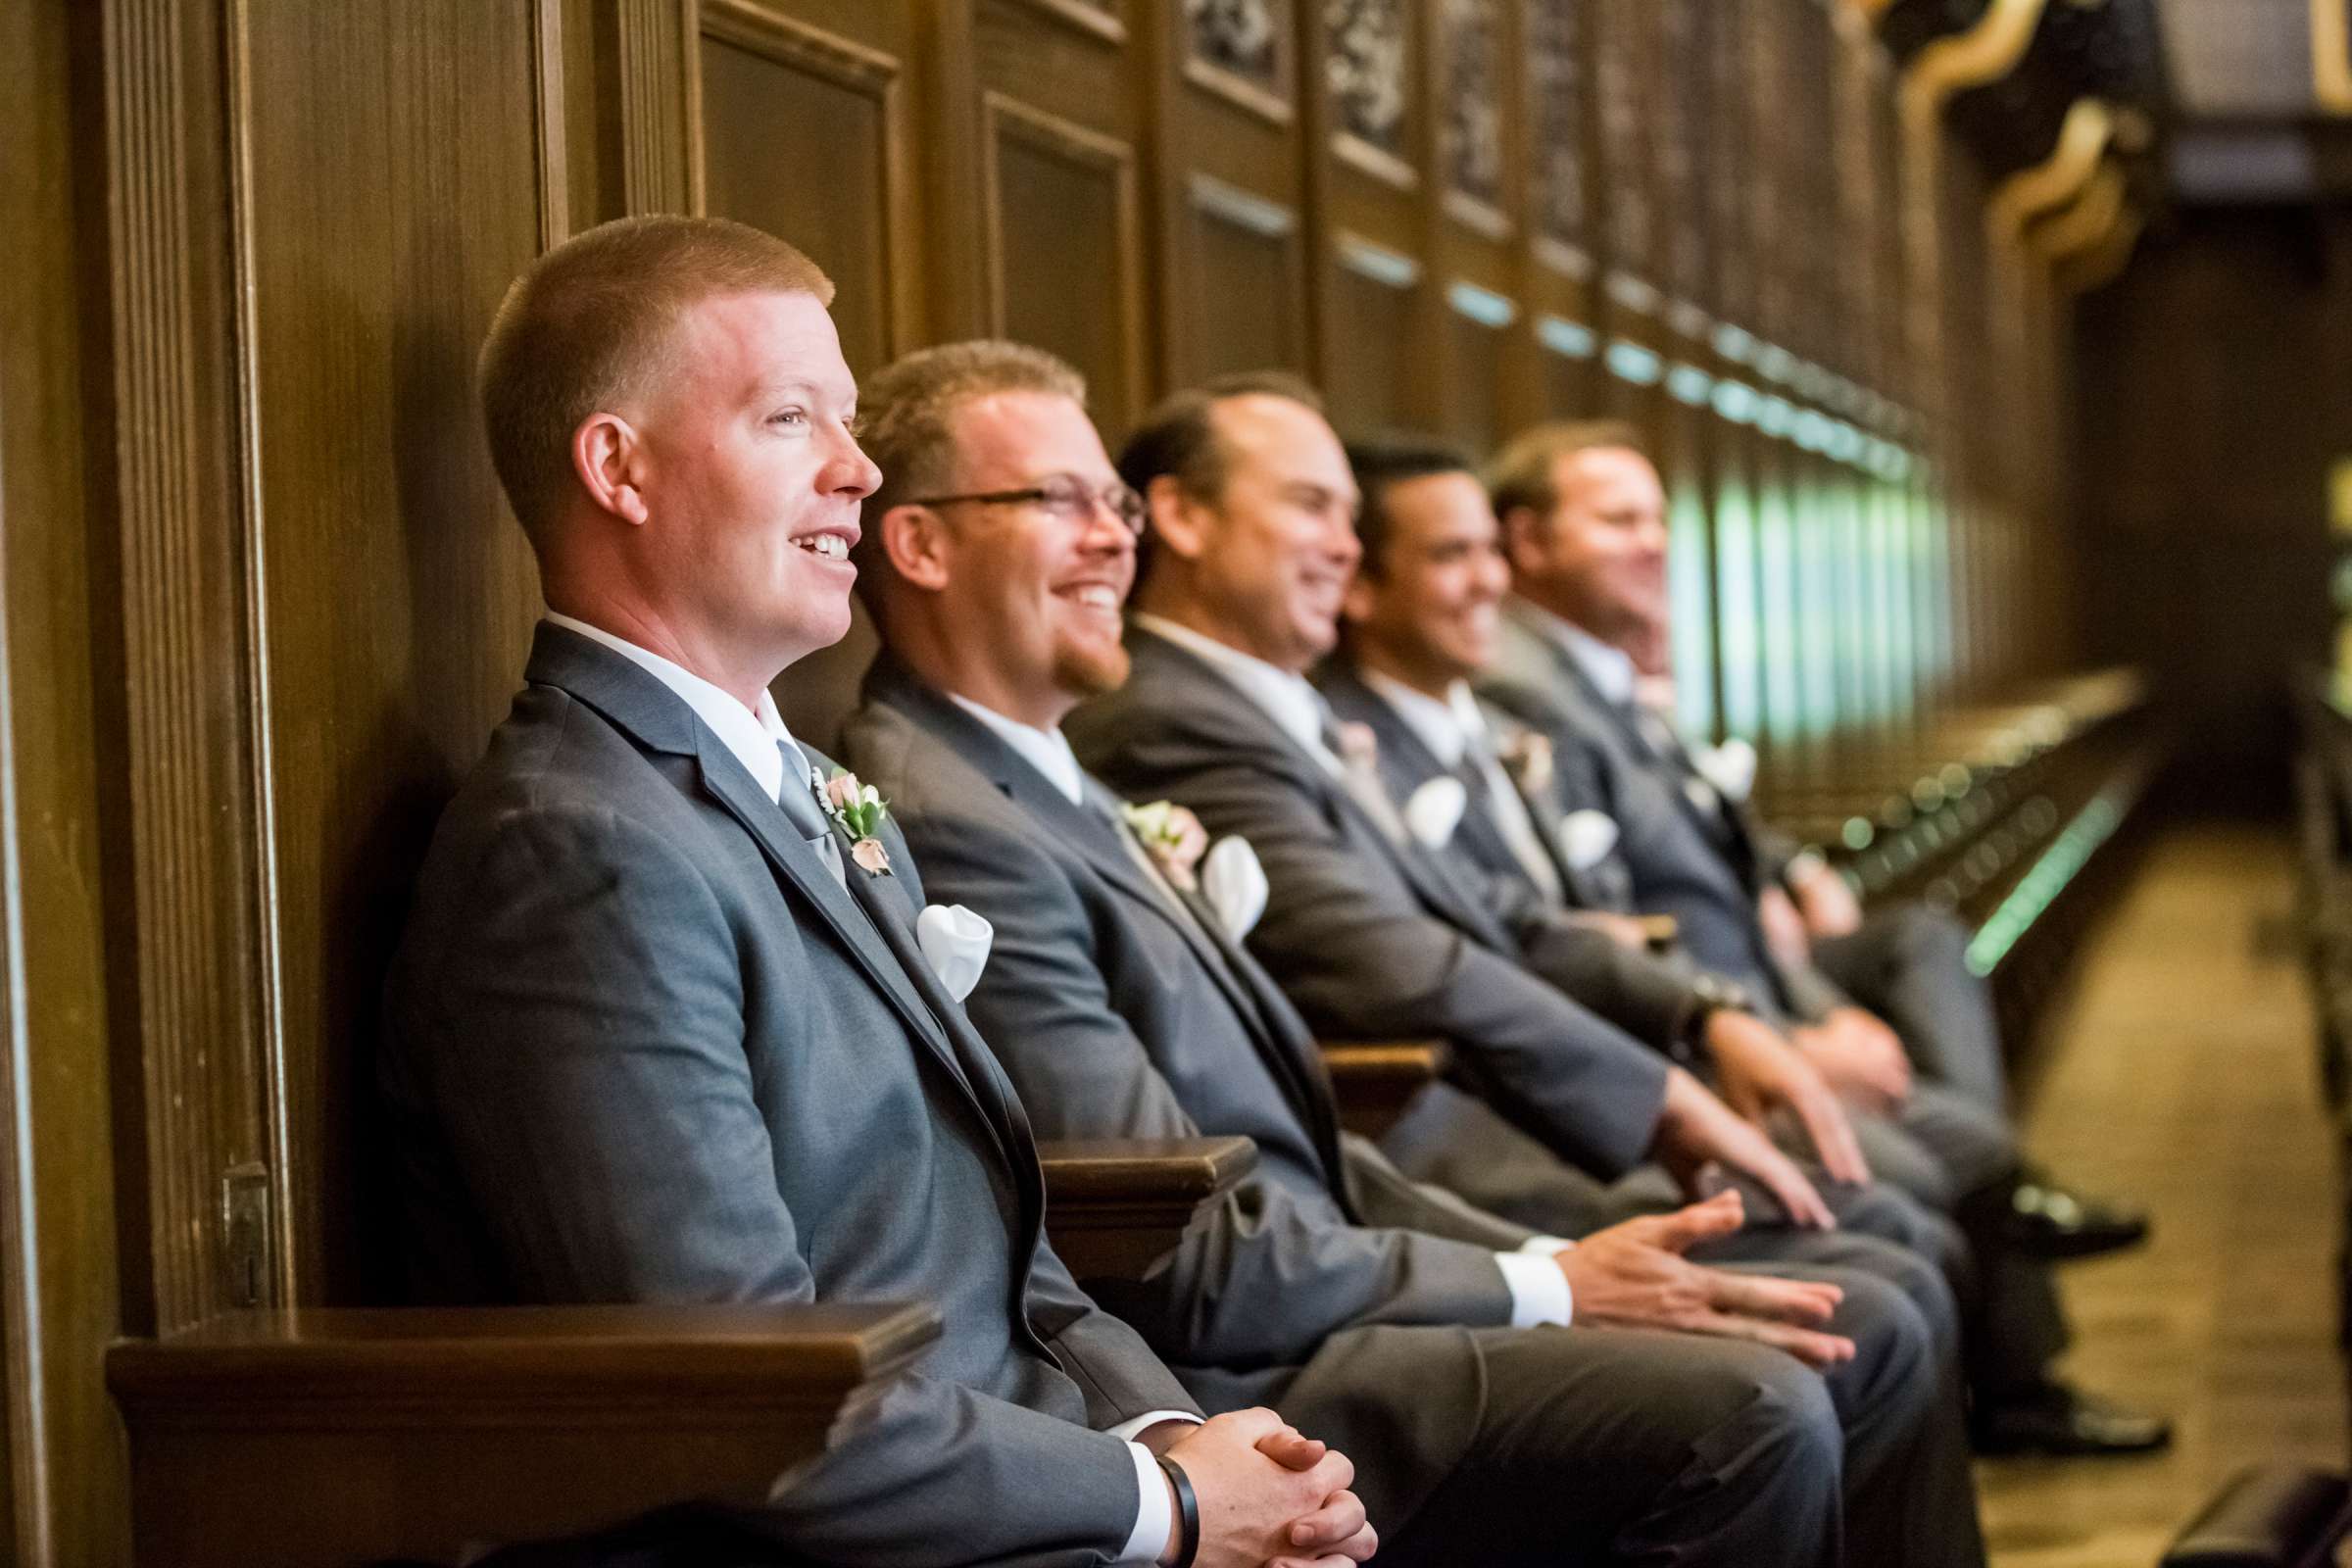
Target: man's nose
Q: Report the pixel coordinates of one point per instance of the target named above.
(856, 472)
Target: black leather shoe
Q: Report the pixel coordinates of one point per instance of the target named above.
(2046, 1221)
(2060, 1421)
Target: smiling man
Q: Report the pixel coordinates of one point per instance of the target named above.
(1400, 1322)
(650, 1023)
(1583, 513)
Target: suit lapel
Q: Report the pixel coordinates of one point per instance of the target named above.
(1092, 830)
(654, 717)
(1428, 873)
(1292, 1058)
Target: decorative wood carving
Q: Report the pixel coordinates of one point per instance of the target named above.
(1241, 51)
(1555, 54)
(1470, 123)
(1367, 70)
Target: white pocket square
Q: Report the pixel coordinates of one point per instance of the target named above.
(1234, 885)
(1585, 838)
(1730, 767)
(1436, 810)
(954, 943)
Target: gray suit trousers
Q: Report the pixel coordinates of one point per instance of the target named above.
(1908, 964)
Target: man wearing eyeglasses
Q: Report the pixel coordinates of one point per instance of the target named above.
(1419, 1333)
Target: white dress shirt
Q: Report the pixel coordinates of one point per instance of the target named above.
(1612, 671)
(1609, 668)
(1455, 728)
(1291, 701)
(757, 738)
(1539, 1289)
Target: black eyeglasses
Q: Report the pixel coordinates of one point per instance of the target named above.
(1065, 495)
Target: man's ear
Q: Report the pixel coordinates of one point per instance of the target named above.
(915, 542)
(1179, 524)
(1357, 604)
(1522, 540)
(607, 457)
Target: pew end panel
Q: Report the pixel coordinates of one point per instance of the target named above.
(1116, 1206)
(1375, 1080)
(317, 1438)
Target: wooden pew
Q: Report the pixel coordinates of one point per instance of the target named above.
(1116, 1206)
(319, 1438)
(1375, 1080)
(323, 1438)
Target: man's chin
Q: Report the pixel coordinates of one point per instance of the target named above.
(1085, 672)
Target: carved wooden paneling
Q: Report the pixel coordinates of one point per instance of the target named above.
(1371, 355)
(653, 61)
(1367, 75)
(803, 134)
(1621, 74)
(1472, 154)
(1241, 50)
(1105, 20)
(1476, 320)
(1566, 354)
(1246, 310)
(192, 649)
(1063, 248)
(1679, 89)
(397, 600)
(1557, 91)
(61, 1273)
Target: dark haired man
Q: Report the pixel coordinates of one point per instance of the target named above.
(1404, 1324)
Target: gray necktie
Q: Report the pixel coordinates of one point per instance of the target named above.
(798, 798)
(1360, 777)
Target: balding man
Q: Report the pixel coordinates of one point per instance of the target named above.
(660, 1029)
(1400, 1322)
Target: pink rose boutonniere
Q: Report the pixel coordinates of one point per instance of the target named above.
(860, 809)
(1174, 838)
(1526, 755)
(1359, 745)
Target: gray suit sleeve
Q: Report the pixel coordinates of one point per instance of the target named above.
(1386, 1195)
(1358, 956)
(578, 1031)
(1261, 1281)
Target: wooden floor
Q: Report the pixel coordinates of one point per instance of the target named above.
(2182, 1073)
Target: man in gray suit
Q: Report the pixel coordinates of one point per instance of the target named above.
(1388, 1316)
(1583, 518)
(660, 1031)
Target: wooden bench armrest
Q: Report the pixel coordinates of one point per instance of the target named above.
(287, 1439)
(1375, 1080)
(1114, 1206)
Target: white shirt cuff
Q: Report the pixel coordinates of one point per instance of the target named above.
(1152, 1516)
(1538, 1285)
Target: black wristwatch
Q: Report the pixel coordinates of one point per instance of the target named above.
(1710, 994)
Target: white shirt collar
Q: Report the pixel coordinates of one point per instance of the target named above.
(1435, 721)
(1045, 749)
(1289, 700)
(753, 734)
(1611, 669)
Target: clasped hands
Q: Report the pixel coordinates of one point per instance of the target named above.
(1269, 1497)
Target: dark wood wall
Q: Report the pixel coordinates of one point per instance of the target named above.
(2214, 405)
(260, 602)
